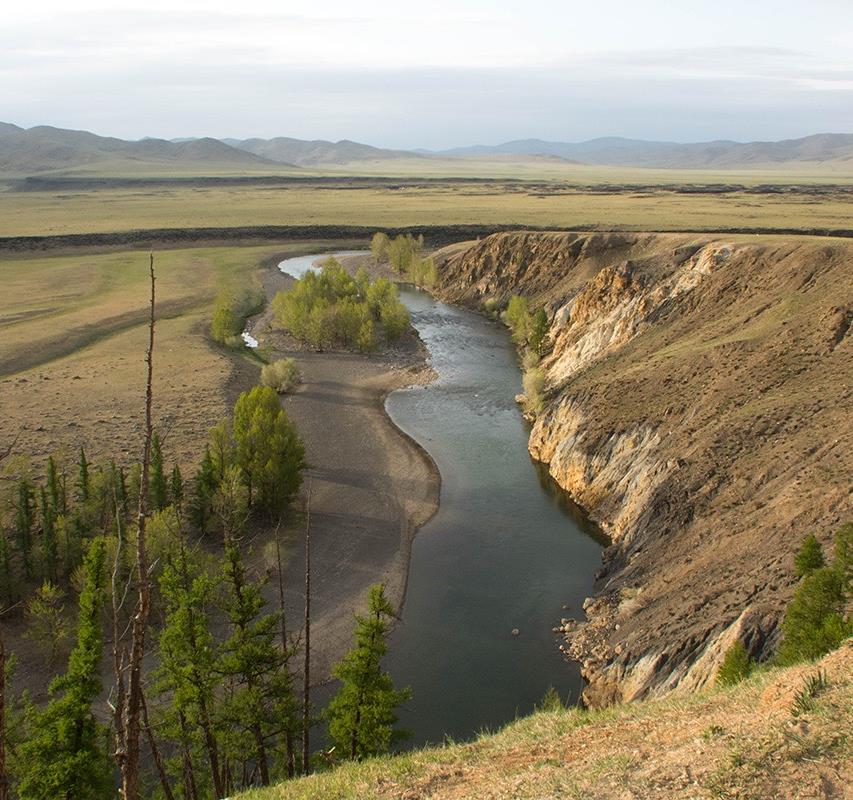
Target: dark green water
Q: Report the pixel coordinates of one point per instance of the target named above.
(506, 549)
(502, 552)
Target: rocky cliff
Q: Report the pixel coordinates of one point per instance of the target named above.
(698, 404)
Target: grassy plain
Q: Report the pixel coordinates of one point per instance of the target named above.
(73, 343)
(398, 204)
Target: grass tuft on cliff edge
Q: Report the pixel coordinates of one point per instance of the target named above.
(756, 739)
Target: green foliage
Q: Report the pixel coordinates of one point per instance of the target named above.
(158, 488)
(537, 331)
(361, 716)
(186, 673)
(809, 557)
(550, 701)
(63, 755)
(492, 307)
(204, 487)
(533, 383)
(333, 309)
(804, 700)
(230, 310)
(517, 318)
(268, 449)
(815, 620)
(422, 272)
(46, 624)
(379, 247)
(736, 666)
(281, 375)
(402, 251)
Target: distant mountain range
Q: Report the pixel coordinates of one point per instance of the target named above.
(45, 149)
(615, 151)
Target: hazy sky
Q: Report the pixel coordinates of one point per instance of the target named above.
(437, 74)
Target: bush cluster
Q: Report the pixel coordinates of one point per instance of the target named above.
(334, 309)
(230, 310)
(281, 375)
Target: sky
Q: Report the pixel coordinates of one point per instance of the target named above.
(436, 75)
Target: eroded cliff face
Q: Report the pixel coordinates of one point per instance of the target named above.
(698, 405)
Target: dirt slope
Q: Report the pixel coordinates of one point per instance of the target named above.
(699, 400)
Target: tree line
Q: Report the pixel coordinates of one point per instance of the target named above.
(403, 255)
(216, 711)
(332, 308)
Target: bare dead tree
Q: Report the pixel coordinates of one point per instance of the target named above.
(306, 672)
(130, 702)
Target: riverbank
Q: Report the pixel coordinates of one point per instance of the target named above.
(371, 486)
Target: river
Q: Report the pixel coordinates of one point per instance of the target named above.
(506, 551)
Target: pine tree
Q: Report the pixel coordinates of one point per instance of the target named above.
(84, 483)
(260, 706)
(158, 489)
(63, 755)
(176, 487)
(56, 488)
(50, 552)
(361, 716)
(25, 512)
(187, 674)
(736, 666)
(810, 557)
(204, 488)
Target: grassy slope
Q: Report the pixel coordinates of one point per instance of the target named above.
(73, 343)
(120, 209)
(743, 742)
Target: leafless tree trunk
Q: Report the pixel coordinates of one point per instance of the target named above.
(306, 673)
(155, 753)
(130, 709)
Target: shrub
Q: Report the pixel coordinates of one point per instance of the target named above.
(230, 310)
(537, 330)
(736, 666)
(281, 375)
(492, 307)
(533, 383)
(517, 318)
(550, 701)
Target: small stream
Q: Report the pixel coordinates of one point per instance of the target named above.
(506, 551)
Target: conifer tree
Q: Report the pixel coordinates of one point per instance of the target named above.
(56, 488)
(810, 557)
(361, 716)
(63, 755)
(204, 488)
(158, 488)
(84, 483)
(187, 673)
(176, 487)
(259, 707)
(50, 553)
(25, 512)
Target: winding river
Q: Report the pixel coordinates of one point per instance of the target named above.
(505, 557)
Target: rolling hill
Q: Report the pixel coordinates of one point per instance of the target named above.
(46, 149)
(616, 151)
(309, 153)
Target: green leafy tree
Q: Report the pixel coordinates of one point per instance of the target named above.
(362, 715)
(517, 318)
(379, 247)
(63, 755)
(810, 557)
(268, 449)
(736, 666)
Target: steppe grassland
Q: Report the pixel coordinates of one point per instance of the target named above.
(73, 343)
(633, 199)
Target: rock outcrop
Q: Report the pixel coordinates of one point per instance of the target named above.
(699, 405)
